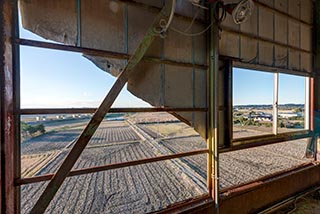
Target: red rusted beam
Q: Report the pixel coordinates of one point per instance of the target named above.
(197, 204)
(77, 172)
(271, 191)
(312, 103)
(251, 142)
(9, 101)
(248, 186)
(80, 144)
(112, 110)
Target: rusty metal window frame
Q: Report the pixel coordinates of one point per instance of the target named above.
(17, 41)
(46, 177)
(275, 137)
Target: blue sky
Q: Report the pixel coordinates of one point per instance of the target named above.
(251, 87)
(56, 79)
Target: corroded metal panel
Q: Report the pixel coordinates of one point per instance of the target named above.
(283, 33)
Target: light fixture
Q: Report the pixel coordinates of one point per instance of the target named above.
(240, 11)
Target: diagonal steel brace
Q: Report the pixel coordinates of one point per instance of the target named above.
(65, 168)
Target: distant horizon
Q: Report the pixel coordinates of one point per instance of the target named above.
(59, 79)
(251, 86)
(284, 104)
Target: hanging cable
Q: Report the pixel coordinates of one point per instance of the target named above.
(217, 6)
(219, 18)
(191, 34)
(200, 6)
(174, 2)
(193, 20)
(163, 24)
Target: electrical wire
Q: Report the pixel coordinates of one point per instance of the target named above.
(219, 18)
(200, 6)
(191, 34)
(174, 2)
(185, 32)
(193, 20)
(163, 24)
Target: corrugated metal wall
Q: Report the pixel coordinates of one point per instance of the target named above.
(278, 37)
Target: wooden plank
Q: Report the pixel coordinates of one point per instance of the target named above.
(266, 27)
(266, 56)
(306, 38)
(249, 50)
(293, 34)
(306, 7)
(281, 57)
(229, 44)
(281, 29)
(294, 8)
(251, 25)
(294, 60)
(281, 5)
(267, 2)
(252, 36)
(306, 62)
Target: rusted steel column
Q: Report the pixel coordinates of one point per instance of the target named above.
(315, 87)
(63, 171)
(316, 46)
(315, 82)
(213, 90)
(9, 101)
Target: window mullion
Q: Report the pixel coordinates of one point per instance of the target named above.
(307, 104)
(275, 104)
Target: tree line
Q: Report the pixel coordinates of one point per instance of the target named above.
(32, 130)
